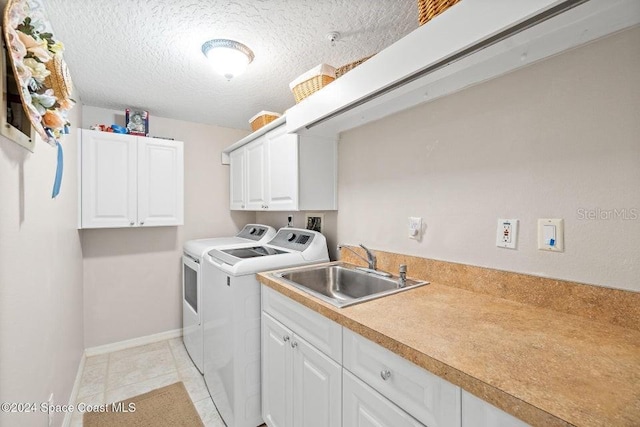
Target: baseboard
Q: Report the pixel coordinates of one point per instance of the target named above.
(135, 342)
(74, 391)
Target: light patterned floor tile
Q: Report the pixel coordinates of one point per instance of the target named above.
(96, 360)
(140, 367)
(93, 380)
(194, 383)
(138, 388)
(209, 413)
(183, 361)
(134, 351)
(123, 374)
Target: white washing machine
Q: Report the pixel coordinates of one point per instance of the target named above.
(231, 298)
(192, 278)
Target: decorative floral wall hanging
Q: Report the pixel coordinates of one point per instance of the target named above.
(40, 71)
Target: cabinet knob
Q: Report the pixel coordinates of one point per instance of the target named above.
(242, 206)
(285, 338)
(141, 222)
(131, 223)
(294, 344)
(385, 374)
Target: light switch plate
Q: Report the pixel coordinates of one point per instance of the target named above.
(415, 227)
(507, 233)
(551, 234)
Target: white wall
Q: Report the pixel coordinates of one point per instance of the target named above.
(132, 277)
(41, 321)
(542, 142)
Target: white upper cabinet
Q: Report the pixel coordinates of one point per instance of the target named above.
(255, 175)
(237, 174)
(160, 182)
(280, 171)
(130, 181)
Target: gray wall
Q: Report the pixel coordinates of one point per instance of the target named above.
(41, 322)
(542, 142)
(132, 277)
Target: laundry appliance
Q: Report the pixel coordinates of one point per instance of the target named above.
(231, 298)
(193, 251)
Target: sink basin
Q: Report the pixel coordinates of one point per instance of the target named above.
(344, 284)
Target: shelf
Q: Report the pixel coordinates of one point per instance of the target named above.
(469, 44)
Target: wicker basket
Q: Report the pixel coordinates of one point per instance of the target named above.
(263, 118)
(428, 9)
(312, 81)
(341, 71)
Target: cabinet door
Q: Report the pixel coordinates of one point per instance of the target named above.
(237, 172)
(282, 172)
(160, 182)
(478, 413)
(277, 374)
(317, 386)
(255, 163)
(364, 407)
(109, 180)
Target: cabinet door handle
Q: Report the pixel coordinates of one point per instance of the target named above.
(385, 374)
(294, 344)
(285, 338)
(242, 206)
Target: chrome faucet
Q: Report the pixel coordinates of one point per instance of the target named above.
(371, 260)
(402, 280)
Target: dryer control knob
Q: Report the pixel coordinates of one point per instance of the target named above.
(291, 237)
(253, 230)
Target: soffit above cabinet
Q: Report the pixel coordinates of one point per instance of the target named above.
(468, 44)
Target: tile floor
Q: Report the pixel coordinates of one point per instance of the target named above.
(123, 374)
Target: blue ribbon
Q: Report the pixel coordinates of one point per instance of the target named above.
(58, 179)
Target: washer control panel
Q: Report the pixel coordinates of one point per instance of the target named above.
(293, 238)
(253, 232)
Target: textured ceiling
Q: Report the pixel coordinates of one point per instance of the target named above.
(146, 53)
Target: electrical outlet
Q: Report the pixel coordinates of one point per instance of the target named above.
(289, 220)
(507, 233)
(49, 411)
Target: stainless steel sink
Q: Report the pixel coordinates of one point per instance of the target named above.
(344, 284)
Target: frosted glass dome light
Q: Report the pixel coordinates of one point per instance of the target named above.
(228, 57)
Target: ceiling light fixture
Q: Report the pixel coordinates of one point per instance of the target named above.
(228, 57)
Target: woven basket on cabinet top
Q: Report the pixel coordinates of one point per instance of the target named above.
(341, 71)
(263, 118)
(428, 9)
(312, 81)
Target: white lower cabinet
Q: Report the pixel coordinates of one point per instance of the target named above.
(301, 386)
(478, 413)
(428, 398)
(315, 373)
(362, 406)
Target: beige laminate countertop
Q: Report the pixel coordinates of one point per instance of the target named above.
(545, 367)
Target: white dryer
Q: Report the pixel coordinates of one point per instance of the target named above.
(192, 278)
(231, 298)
